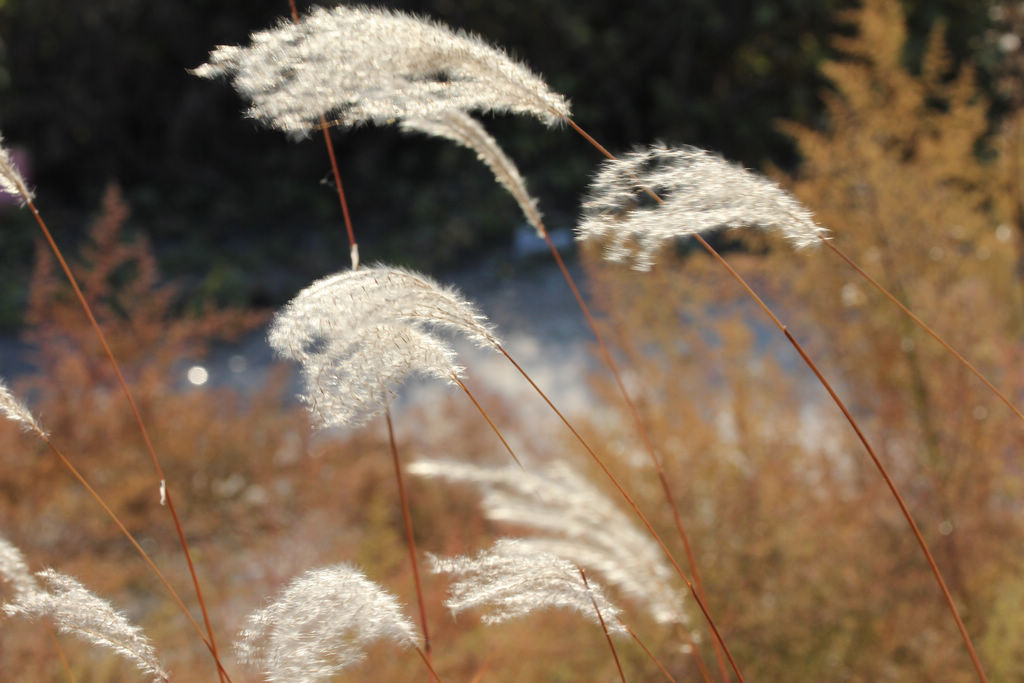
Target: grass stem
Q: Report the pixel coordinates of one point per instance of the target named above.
(924, 326)
(654, 659)
(976, 662)
(138, 421)
(131, 539)
(636, 509)
(60, 652)
(410, 539)
(604, 626)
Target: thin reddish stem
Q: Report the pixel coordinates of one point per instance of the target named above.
(636, 509)
(850, 419)
(353, 247)
(655, 659)
(644, 435)
(60, 651)
(604, 626)
(479, 676)
(487, 417)
(410, 539)
(131, 539)
(924, 326)
(430, 666)
(696, 651)
(871, 453)
(138, 421)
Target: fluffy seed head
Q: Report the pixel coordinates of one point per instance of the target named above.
(701, 192)
(575, 521)
(463, 129)
(11, 181)
(320, 624)
(15, 411)
(14, 570)
(361, 333)
(513, 579)
(361, 64)
(76, 610)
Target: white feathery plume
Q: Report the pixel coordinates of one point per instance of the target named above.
(14, 570)
(74, 609)
(320, 624)
(11, 181)
(362, 64)
(360, 333)
(463, 129)
(578, 523)
(513, 579)
(15, 411)
(701, 192)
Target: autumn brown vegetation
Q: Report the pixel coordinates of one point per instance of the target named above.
(808, 567)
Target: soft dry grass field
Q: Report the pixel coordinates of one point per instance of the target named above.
(815, 489)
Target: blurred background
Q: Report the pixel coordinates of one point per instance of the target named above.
(97, 92)
(898, 125)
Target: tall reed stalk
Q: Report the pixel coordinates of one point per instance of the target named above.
(359, 334)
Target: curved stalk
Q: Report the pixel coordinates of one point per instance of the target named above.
(976, 662)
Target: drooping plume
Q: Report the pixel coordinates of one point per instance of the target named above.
(513, 579)
(76, 610)
(463, 129)
(320, 624)
(575, 521)
(14, 570)
(360, 64)
(701, 192)
(11, 181)
(361, 333)
(15, 411)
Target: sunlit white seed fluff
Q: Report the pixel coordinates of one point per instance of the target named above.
(360, 64)
(574, 520)
(76, 610)
(513, 579)
(463, 129)
(11, 181)
(320, 624)
(700, 192)
(14, 570)
(359, 334)
(15, 411)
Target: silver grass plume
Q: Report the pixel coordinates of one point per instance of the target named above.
(513, 579)
(320, 623)
(463, 129)
(11, 181)
(15, 411)
(362, 64)
(76, 610)
(701, 192)
(360, 333)
(573, 520)
(14, 570)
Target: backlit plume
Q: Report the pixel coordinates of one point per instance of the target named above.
(574, 520)
(11, 181)
(320, 624)
(15, 411)
(700, 192)
(361, 333)
(463, 129)
(513, 579)
(14, 570)
(360, 65)
(76, 610)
